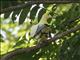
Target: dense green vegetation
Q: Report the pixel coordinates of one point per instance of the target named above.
(14, 27)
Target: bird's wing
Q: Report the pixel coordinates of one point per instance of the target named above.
(40, 27)
(33, 30)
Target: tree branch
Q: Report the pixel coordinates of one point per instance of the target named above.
(68, 22)
(39, 45)
(36, 2)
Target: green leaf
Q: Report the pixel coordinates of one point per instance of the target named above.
(24, 14)
(19, 43)
(33, 12)
(6, 15)
(14, 14)
(41, 13)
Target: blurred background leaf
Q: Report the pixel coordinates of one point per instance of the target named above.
(13, 35)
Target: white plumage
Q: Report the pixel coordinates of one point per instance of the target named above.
(36, 29)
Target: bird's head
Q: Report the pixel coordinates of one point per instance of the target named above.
(45, 18)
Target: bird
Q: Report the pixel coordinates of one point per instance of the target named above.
(41, 30)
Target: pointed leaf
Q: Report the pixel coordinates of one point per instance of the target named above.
(41, 13)
(14, 14)
(24, 14)
(19, 43)
(33, 12)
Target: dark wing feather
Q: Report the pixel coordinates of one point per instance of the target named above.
(40, 27)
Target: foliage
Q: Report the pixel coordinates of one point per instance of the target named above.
(16, 24)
